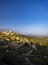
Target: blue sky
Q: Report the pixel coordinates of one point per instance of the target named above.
(25, 16)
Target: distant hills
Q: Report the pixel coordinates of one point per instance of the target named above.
(9, 35)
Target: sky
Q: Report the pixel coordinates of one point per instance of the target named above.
(25, 16)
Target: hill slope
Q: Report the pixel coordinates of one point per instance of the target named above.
(16, 49)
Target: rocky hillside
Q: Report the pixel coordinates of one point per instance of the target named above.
(16, 49)
(12, 36)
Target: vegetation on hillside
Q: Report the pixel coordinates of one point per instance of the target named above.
(16, 49)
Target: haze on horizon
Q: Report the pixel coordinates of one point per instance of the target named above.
(25, 16)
